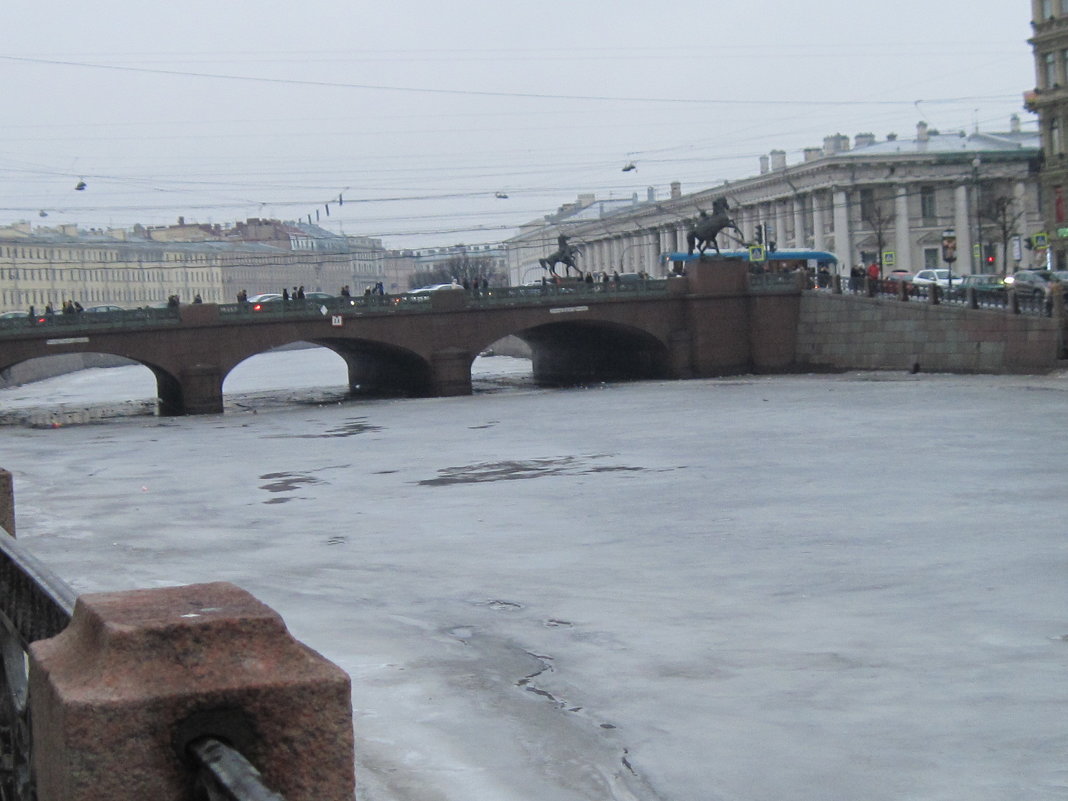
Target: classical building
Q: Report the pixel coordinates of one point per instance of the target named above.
(887, 202)
(1049, 21)
(145, 265)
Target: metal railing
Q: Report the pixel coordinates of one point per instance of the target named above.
(90, 321)
(774, 282)
(36, 604)
(1037, 304)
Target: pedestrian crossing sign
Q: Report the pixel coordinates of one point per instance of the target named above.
(757, 253)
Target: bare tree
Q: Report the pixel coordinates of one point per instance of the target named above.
(461, 267)
(999, 211)
(875, 215)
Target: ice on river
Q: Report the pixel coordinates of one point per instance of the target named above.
(833, 587)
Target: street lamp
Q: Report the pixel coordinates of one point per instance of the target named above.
(977, 248)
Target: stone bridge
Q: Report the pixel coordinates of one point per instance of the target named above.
(710, 322)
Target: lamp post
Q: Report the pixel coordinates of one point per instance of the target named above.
(977, 248)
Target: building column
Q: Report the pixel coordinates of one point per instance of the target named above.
(819, 225)
(902, 239)
(779, 209)
(1019, 193)
(843, 238)
(800, 242)
(963, 227)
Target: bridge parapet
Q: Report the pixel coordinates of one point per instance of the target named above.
(164, 694)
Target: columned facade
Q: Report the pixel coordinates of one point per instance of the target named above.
(896, 195)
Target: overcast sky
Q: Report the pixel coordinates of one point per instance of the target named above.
(417, 114)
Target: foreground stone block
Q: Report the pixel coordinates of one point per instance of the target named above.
(134, 671)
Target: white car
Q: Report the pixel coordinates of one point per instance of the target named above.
(936, 278)
(426, 290)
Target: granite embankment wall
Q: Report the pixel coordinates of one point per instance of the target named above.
(850, 332)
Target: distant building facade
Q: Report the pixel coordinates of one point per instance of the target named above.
(1049, 23)
(868, 201)
(144, 266)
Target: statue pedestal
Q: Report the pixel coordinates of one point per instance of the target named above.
(717, 276)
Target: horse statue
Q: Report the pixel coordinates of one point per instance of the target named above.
(565, 254)
(706, 228)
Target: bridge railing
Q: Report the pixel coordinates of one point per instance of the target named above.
(89, 321)
(774, 282)
(200, 741)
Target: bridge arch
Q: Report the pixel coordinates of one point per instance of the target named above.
(169, 393)
(574, 352)
(373, 368)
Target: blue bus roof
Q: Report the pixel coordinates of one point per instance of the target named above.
(775, 255)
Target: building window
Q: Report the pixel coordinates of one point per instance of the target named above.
(1047, 9)
(927, 202)
(1049, 70)
(931, 258)
(1058, 204)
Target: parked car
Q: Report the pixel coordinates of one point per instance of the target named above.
(12, 315)
(103, 309)
(1036, 282)
(426, 290)
(939, 277)
(984, 282)
(899, 275)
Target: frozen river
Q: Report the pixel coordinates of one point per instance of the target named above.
(803, 588)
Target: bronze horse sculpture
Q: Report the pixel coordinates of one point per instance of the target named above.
(565, 254)
(707, 227)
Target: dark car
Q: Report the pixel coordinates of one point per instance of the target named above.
(1034, 282)
(983, 282)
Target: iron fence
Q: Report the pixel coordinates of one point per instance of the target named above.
(36, 604)
(91, 321)
(1037, 304)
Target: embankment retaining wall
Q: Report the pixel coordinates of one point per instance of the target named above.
(846, 332)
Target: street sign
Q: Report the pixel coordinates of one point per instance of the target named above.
(1041, 240)
(337, 321)
(889, 258)
(757, 253)
(977, 252)
(1017, 248)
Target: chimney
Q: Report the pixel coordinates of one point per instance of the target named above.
(778, 159)
(763, 165)
(813, 153)
(839, 143)
(863, 140)
(650, 194)
(181, 221)
(585, 200)
(676, 190)
(921, 131)
(891, 137)
(1014, 123)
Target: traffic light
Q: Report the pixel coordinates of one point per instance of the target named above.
(949, 246)
(1029, 243)
(759, 233)
(989, 255)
